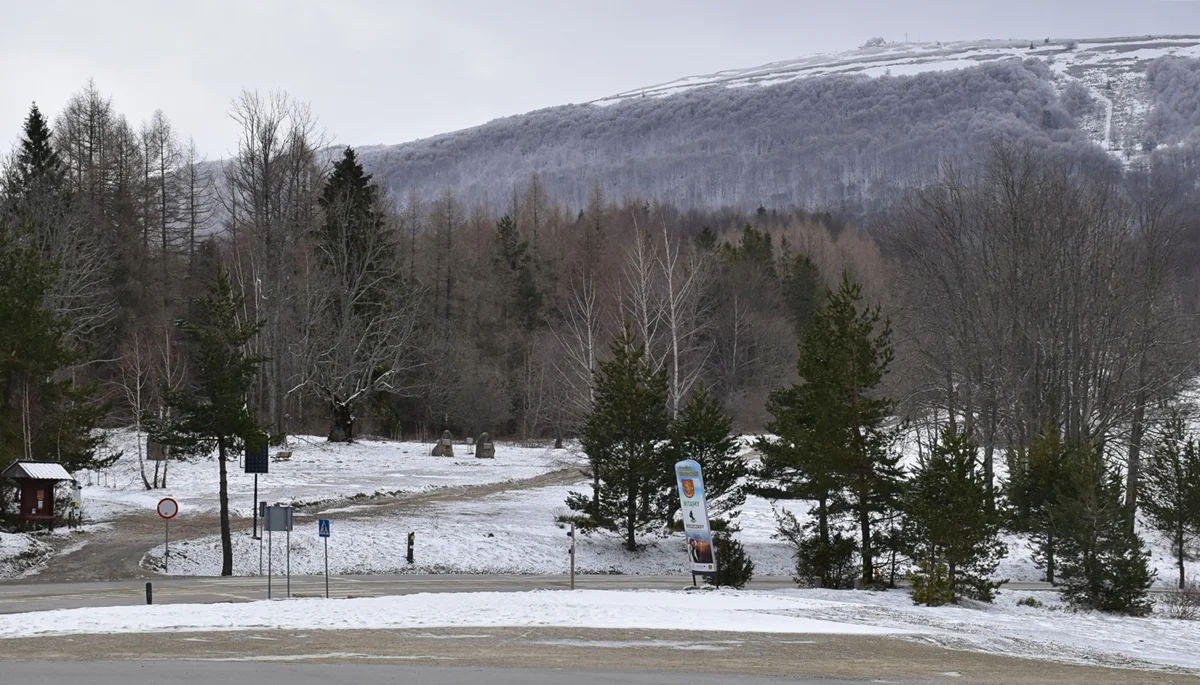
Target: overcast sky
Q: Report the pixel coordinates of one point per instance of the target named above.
(376, 71)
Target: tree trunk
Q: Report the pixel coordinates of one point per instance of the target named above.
(226, 541)
(823, 534)
(1136, 432)
(1180, 551)
(1050, 558)
(864, 522)
(342, 427)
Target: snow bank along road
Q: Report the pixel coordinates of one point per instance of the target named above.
(194, 673)
(46, 596)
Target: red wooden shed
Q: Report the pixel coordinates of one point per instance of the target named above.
(37, 479)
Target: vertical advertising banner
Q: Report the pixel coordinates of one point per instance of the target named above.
(695, 517)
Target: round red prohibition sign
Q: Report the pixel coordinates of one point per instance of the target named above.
(168, 508)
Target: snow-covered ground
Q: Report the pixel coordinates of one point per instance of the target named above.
(518, 532)
(1049, 632)
(650, 610)
(509, 532)
(23, 554)
(20, 552)
(316, 472)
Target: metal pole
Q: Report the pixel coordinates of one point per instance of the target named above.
(289, 564)
(572, 555)
(260, 546)
(167, 556)
(326, 568)
(270, 556)
(254, 530)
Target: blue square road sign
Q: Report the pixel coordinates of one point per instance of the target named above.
(323, 527)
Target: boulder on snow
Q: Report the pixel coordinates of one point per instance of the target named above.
(485, 449)
(445, 446)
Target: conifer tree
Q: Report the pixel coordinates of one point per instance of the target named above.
(44, 414)
(704, 432)
(1038, 482)
(834, 444)
(36, 182)
(625, 440)
(1103, 563)
(955, 535)
(213, 414)
(1171, 489)
(514, 255)
(734, 567)
(362, 315)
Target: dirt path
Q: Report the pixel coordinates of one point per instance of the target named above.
(116, 553)
(819, 656)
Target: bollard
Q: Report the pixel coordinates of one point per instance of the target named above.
(149, 594)
(412, 538)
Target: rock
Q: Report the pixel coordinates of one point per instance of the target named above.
(485, 448)
(444, 447)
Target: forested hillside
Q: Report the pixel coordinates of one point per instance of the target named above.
(848, 132)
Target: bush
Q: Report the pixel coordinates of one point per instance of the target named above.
(1033, 602)
(930, 585)
(833, 568)
(734, 567)
(1183, 605)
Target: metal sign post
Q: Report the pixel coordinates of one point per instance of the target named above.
(572, 534)
(278, 518)
(323, 531)
(167, 509)
(256, 463)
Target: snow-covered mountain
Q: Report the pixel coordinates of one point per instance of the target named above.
(1112, 69)
(847, 129)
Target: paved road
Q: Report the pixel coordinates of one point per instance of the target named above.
(206, 673)
(39, 597)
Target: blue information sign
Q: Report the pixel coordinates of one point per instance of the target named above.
(323, 527)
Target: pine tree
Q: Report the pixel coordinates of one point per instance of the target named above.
(214, 413)
(955, 535)
(703, 431)
(796, 464)
(1171, 482)
(1038, 482)
(834, 444)
(624, 438)
(1103, 563)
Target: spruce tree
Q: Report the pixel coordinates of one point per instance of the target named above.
(514, 256)
(834, 445)
(1171, 488)
(214, 414)
(625, 439)
(36, 182)
(1103, 563)
(362, 312)
(704, 432)
(734, 567)
(955, 536)
(45, 414)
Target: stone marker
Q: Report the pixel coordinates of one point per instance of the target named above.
(486, 449)
(445, 446)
